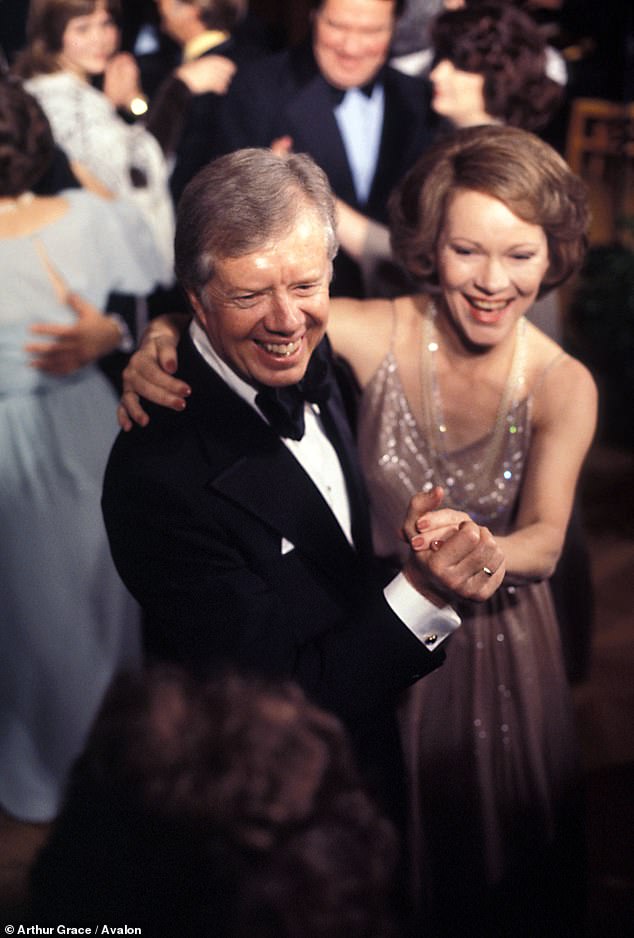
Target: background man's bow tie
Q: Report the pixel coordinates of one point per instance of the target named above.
(338, 94)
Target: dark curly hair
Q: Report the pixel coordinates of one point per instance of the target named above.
(26, 141)
(229, 807)
(45, 27)
(508, 163)
(506, 46)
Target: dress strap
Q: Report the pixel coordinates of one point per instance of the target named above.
(394, 326)
(547, 369)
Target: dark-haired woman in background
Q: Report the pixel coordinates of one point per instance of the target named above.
(491, 64)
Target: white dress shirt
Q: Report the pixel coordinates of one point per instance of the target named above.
(360, 122)
(319, 459)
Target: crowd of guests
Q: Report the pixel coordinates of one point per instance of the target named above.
(330, 524)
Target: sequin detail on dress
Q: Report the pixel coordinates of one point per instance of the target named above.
(398, 461)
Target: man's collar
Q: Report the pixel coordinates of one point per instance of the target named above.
(202, 43)
(282, 408)
(201, 341)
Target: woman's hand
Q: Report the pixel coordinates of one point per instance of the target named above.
(211, 73)
(149, 372)
(71, 347)
(121, 80)
(434, 527)
(468, 564)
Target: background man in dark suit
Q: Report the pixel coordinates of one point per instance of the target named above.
(334, 97)
(186, 116)
(241, 525)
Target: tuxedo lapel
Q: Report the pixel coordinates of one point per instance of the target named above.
(338, 429)
(252, 467)
(312, 125)
(402, 141)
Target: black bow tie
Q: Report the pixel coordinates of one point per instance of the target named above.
(338, 94)
(284, 407)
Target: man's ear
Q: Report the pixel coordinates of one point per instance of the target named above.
(197, 306)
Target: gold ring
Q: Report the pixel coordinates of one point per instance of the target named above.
(488, 571)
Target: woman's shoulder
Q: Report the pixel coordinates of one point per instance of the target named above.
(64, 91)
(360, 332)
(545, 355)
(83, 202)
(53, 83)
(348, 314)
(103, 216)
(364, 331)
(556, 380)
(381, 310)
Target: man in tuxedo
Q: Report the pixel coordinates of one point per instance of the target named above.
(241, 525)
(186, 114)
(334, 97)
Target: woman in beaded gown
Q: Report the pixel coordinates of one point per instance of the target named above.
(460, 390)
(67, 622)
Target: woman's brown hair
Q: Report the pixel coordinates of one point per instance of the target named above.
(26, 141)
(505, 46)
(511, 165)
(45, 29)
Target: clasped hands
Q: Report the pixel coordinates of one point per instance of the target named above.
(450, 555)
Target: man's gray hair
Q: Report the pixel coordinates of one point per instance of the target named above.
(242, 201)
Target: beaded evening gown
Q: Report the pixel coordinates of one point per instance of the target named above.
(488, 738)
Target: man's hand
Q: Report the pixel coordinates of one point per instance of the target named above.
(71, 347)
(149, 373)
(463, 562)
(210, 73)
(282, 145)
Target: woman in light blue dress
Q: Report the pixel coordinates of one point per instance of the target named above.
(66, 622)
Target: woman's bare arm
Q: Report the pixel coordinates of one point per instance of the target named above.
(563, 428)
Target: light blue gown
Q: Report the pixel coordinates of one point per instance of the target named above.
(66, 621)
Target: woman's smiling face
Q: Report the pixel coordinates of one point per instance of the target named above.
(88, 43)
(490, 265)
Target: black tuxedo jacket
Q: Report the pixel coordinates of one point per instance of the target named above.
(286, 94)
(238, 561)
(190, 127)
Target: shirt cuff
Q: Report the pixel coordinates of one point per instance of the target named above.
(430, 624)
